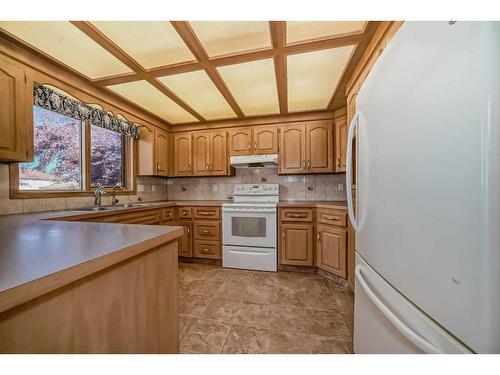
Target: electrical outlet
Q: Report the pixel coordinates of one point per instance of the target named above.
(340, 187)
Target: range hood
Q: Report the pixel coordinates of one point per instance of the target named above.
(254, 161)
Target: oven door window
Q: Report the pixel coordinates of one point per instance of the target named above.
(248, 227)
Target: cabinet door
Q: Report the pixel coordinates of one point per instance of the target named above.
(297, 244)
(146, 151)
(182, 154)
(292, 149)
(218, 153)
(340, 144)
(331, 250)
(161, 152)
(201, 154)
(319, 147)
(240, 141)
(16, 113)
(186, 242)
(265, 140)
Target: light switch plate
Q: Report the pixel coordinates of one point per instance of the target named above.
(340, 187)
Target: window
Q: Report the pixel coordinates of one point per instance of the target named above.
(73, 156)
(106, 157)
(57, 158)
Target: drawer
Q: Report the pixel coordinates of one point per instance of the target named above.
(207, 249)
(168, 213)
(332, 217)
(141, 217)
(206, 212)
(185, 212)
(297, 214)
(206, 230)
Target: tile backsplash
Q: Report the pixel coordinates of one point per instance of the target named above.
(293, 187)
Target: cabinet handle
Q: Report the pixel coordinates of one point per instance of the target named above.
(297, 215)
(184, 212)
(169, 214)
(189, 168)
(255, 145)
(318, 236)
(249, 146)
(204, 213)
(188, 230)
(205, 231)
(210, 168)
(283, 234)
(338, 162)
(205, 250)
(308, 164)
(330, 218)
(157, 167)
(304, 164)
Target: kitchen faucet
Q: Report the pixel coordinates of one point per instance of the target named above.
(114, 201)
(99, 192)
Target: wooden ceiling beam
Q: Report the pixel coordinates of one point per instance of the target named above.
(324, 43)
(193, 43)
(338, 98)
(100, 38)
(278, 38)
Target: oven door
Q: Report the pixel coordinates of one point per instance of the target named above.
(242, 227)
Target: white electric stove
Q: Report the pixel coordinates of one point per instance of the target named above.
(249, 228)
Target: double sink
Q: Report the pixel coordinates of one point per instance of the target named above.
(116, 206)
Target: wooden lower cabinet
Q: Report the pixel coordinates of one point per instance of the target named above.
(296, 244)
(207, 249)
(186, 241)
(331, 249)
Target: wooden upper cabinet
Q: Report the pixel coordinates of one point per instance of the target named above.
(16, 112)
(331, 250)
(209, 153)
(240, 141)
(182, 154)
(292, 157)
(265, 140)
(201, 153)
(340, 143)
(218, 153)
(161, 152)
(296, 244)
(319, 147)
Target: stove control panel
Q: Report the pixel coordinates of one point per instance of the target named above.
(256, 189)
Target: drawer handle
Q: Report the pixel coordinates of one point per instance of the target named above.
(205, 250)
(297, 215)
(205, 231)
(331, 218)
(205, 213)
(184, 212)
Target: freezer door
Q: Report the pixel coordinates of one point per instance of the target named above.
(428, 181)
(386, 322)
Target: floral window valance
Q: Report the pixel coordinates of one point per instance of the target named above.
(47, 98)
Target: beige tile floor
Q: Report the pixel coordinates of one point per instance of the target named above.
(237, 311)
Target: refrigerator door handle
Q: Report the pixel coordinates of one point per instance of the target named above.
(348, 170)
(406, 331)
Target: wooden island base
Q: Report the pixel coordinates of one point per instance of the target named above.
(130, 307)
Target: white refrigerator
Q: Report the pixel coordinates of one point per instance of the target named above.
(427, 223)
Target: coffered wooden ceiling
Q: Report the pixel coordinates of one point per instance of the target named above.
(191, 72)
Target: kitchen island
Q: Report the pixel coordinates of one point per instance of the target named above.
(84, 287)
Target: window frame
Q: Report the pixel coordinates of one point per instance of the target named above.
(129, 172)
